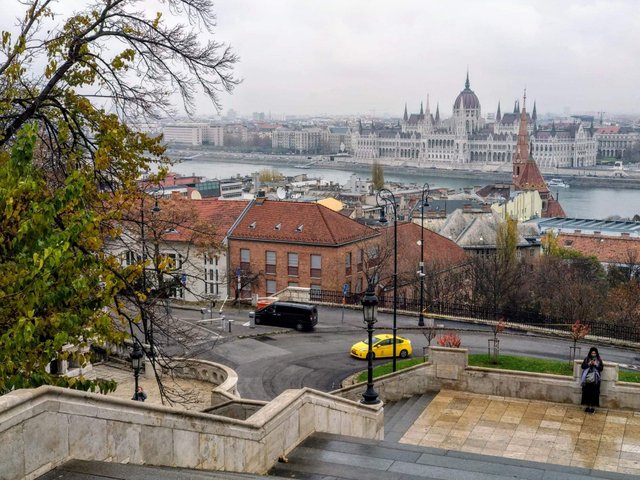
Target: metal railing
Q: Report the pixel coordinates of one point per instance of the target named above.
(525, 317)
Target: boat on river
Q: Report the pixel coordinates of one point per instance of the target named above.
(557, 182)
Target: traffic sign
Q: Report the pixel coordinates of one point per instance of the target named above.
(345, 289)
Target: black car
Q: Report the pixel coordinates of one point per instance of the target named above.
(300, 316)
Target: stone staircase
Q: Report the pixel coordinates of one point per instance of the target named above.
(400, 415)
(332, 457)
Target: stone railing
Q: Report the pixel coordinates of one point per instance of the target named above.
(449, 368)
(223, 379)
(45, 427)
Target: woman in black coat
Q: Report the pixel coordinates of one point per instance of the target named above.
(591, 369)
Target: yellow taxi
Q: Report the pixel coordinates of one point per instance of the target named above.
(383, 347)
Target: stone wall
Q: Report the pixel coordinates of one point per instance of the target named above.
(448, 368)
(45, 427)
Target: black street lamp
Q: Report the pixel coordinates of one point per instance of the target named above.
(385, 198)
(136, 363)
(425, 190)
(370, 314)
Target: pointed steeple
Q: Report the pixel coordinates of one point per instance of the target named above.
(591, 129)
(553, 128)
(534, 114)
(428, 111)
(360, 126)
(438, 113)
(498, 114)
(467, 85)
(421, 109)
(526, 174)
(406, 115)
(515, 106)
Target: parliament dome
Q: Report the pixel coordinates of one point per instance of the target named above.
(466, 100)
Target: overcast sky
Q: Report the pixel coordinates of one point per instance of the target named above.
(353, 56)
(372, 56)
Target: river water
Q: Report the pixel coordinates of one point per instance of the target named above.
(578, 202)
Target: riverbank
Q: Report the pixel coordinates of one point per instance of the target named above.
(596, 177)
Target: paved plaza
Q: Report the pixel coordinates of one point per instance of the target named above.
(539, 431)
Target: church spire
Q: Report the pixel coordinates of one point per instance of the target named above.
(406, 115)
(534, 114)
(466, 83)
(421, 109)
(515, 106)
(428, 111)
(522, 149)
(438, 113)
(498, 114)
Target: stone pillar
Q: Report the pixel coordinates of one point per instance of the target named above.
(449, 362)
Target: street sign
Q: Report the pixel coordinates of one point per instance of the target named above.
(345, 289)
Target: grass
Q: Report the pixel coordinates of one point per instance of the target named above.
(523, 364)
(388, 367)
(506, 362)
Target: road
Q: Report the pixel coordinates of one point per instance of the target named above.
(272, 362)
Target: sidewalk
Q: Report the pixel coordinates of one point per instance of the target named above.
(530, 430)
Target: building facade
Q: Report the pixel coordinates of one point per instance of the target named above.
(279, 244)
(613, 141)
(194, 134)
(307, 140)
(424, 139)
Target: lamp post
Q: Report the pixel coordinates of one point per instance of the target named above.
(384, 198)
(136, 363)
(156, 209)
(425, 189)
(370, 313)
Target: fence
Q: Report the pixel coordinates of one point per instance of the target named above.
(518, 316)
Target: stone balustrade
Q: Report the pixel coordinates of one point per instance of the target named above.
(45, 427)
(449, 368)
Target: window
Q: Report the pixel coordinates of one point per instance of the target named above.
(245, 258)
(211, 275)
(271, 287)
(132, 258)
(292, 265)
(270, 262)
(359, 286)
(176, 260)
(316, 266)
(293, 284)
(360, 260)
(347, 264)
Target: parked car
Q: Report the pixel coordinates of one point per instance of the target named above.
(383, 347)
(300, 316)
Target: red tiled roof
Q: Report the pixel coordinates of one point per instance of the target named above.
(613, 129)
(554, 209)
(221, 214)
(606, 249)
(302, 222)
(436, 247)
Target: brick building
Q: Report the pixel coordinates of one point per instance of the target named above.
(279, 244)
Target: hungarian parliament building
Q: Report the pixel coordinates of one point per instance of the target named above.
(467, 139)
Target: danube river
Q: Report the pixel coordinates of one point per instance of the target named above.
(579, 202)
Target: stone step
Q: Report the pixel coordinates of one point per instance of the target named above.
(324, 456)
(406, 417)
(93, 470)
(391, 408)
(408, 403)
